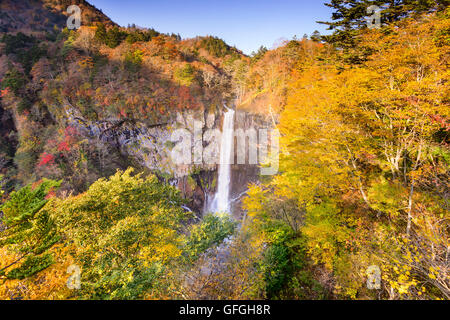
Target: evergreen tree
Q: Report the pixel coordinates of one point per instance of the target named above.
(100, 33)
(114, 37)
(316, 36)
(351, 15)
(258, 55)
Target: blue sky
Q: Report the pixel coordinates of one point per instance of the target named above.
(247, 24)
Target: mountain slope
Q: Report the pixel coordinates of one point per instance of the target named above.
(31, 16)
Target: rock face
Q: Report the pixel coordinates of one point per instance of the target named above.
(159, 147)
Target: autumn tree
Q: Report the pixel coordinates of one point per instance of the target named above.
(126, 231)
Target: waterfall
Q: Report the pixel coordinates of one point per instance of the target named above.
(221, 201)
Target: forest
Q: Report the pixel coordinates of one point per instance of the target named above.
(92, 208)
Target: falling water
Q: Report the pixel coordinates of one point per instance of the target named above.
(221, 199)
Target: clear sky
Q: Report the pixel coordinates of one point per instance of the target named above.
(247, 24)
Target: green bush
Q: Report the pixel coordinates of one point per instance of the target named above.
(185, 75)
(14, 80)
(212, 231)
(133, 60)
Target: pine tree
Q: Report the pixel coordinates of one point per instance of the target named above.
(349, 16)
(101, 34)
(316, 36)
(114, 37)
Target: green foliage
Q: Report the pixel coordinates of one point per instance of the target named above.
(186, 74)
(31, 266)
(68, 43)
(14, 44)
(14, 80)
(216, 47)
(30, 231)
(315, 36)
(111, 37)
(101, 34)
(133, 60)
(386, 197)
(212, 231)
(24, 105)
(256, 56)
(26, 160)
(141, 35)
(349, 16)
(114, 37)
(126, 229)
(276, 265)
(26, 48)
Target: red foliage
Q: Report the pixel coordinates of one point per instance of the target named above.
(4, 92)
(63, 146)
(51, 194)
(71, 131)
(46, 159)
(441, 121)
(69, 139)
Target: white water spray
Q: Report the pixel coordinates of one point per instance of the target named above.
(221, 201)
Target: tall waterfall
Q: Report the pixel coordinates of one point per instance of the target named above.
(221, 201)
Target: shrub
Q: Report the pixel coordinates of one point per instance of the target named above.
(212, 231)
(185, 75)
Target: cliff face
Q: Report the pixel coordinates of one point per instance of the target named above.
(160, 148)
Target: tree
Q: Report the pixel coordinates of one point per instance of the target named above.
(315, 36)
(349, 16)
(216, 47)
(126, 231)
(114, 37)
(101, 33)
(360, 146)
(186, 74)
(212, 231)
(30, 231)
(259, 54)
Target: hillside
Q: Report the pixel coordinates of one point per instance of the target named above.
(35, 16)
(44, 15)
